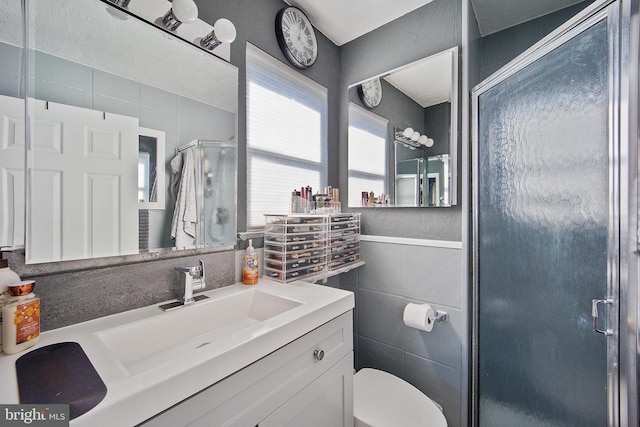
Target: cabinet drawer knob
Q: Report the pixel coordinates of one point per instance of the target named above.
(318, 354)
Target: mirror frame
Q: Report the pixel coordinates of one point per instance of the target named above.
(454, 125)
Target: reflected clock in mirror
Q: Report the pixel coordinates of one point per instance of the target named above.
(415, 123)
(101, 115)
(370, 92)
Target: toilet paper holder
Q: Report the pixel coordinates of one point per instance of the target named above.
(441, 316)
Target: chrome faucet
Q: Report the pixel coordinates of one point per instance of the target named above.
(189, 279)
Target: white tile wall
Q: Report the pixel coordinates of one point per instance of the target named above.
(394, 275)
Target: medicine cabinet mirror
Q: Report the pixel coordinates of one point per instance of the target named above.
(110, 98)
(406, 147)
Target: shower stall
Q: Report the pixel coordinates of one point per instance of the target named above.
(556, 229)
(215, 185)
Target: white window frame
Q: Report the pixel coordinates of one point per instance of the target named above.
(288, 145)
(367, 165)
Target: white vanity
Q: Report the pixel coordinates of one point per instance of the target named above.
(272, 354)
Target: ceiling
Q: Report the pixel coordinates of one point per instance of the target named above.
(426, 81)
(344, 20)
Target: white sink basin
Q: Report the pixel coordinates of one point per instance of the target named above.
(171, 336)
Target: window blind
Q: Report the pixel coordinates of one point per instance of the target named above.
(286, 135)
(367, 153)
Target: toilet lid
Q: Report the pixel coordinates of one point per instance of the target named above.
(381, 399)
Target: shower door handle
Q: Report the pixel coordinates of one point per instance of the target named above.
(594, 315)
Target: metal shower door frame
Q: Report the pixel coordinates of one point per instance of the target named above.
(622, 265)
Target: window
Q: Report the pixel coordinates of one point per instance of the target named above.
(143, 176)
(367, 154)
(286, 135)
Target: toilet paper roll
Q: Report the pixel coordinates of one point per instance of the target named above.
(419, 316)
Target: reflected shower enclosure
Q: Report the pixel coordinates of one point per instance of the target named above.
(215, 169)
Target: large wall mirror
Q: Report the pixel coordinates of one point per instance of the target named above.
(403, 128)
(114, 105)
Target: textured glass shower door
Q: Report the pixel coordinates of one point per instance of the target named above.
(545, 234)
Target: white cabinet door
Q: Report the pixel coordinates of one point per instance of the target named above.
(326, 402)
(83, 187)
(292, 375)
(12, 160)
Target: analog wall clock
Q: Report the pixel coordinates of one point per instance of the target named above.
(296, 37)
(371, 92)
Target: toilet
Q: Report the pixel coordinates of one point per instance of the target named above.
(381, 399)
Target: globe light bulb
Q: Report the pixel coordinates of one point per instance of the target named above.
(407, 132)
(225, 30)
(415, 136)
(423, 139)
(430, 142)
(185, 11)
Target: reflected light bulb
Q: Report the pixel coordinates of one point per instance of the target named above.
(423, 139)
(415, 136)
(407, 132)
(185, 11)
(429, 142)
(225, 30)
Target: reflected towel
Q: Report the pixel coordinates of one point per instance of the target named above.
(154, 190)
(183, 225)
(176, 172)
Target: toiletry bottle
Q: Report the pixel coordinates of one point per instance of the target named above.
(250, 265)
(21, 313)
(7, 276)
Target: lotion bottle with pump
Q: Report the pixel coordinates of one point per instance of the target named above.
(7, 276)
(250, 265)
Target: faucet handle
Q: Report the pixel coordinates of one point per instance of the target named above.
(198, 282)
(196, 271)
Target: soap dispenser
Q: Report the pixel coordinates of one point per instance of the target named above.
(250, 265)
(7, 277)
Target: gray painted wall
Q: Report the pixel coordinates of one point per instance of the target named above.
(501, 47)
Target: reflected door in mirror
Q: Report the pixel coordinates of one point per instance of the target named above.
(81, 203)
(12, 178)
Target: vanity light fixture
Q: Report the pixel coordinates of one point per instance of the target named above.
(407, 133)
(413, 139)
(182, 11)
(223, 32)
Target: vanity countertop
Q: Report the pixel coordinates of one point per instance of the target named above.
(136, 394)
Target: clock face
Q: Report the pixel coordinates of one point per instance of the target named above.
(296, 37)
(371, 92)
